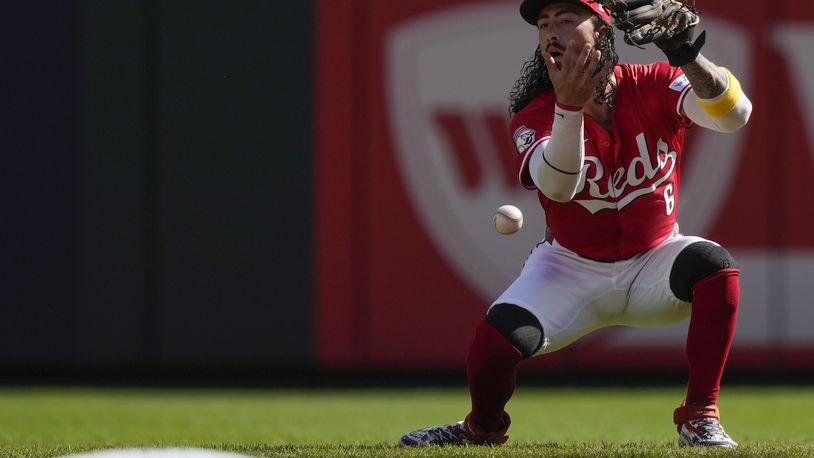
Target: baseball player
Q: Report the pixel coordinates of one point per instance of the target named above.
(601, 144)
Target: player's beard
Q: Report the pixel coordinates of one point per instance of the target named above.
(560, 49)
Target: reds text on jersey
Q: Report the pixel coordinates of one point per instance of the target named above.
(628, 200)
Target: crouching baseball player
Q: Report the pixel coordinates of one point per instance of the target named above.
(601, 144)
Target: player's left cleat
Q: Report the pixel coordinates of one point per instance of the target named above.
(705, 432)
(460, 433)
(701, 425)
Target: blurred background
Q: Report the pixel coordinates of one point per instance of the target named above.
(295, 192)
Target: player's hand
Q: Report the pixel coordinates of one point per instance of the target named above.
(577, 74)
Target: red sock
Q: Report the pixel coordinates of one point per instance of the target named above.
(491, 370)
(712, 325)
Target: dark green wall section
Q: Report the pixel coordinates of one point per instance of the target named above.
(162, 185)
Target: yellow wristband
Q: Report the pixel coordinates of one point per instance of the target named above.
(721, 106)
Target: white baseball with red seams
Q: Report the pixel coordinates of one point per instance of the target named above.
(507, 219)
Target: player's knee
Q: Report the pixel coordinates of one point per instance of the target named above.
(695, 262)
(518, 326)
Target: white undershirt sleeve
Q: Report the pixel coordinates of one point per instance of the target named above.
(556, 164)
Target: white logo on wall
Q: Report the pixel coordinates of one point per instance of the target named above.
(448, 77)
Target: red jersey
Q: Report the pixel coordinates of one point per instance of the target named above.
(628, 198)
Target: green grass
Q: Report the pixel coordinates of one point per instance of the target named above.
(36, 422)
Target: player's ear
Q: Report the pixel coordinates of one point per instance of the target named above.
(601, 31)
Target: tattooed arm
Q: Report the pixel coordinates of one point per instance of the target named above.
(707, 79)
(718, 102)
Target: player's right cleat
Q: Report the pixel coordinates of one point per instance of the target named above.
(460, 433)
(452, 434)
(701, 425)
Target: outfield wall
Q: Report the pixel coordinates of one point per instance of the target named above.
(413, 157)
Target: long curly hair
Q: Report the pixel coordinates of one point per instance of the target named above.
(534, 77)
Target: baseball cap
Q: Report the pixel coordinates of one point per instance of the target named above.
(530, 9)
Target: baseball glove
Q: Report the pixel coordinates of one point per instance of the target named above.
(667, 23)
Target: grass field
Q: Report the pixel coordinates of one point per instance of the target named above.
(48, 422)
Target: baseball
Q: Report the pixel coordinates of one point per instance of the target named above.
(507, 219)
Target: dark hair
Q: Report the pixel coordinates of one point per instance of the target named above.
(534, 75)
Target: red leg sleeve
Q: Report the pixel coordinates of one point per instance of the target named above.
(491, 370)
(712, 326)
